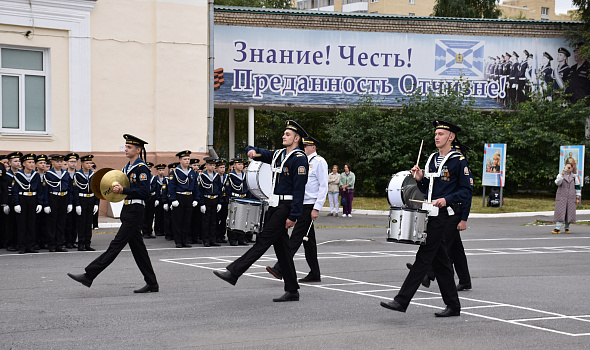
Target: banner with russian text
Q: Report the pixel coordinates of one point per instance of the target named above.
(300, 67)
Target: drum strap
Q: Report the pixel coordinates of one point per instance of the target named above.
(277, 171)
(431, 176)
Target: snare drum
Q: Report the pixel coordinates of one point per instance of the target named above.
(259, 180)
(393, 229)
(245, 215)
(402, 187)
(420, 225)
(408, 221)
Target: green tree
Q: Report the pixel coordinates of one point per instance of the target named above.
(279, 4)
(582, 33)
(467, 8)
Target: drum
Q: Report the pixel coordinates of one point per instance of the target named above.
(393, 229)
(259, 180)
(420, 227)
(402, 187)
(245, 215)
(408, 221)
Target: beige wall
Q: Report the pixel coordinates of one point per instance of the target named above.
(402, 7)
(57, 43)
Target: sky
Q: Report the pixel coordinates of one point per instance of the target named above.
(561, 6)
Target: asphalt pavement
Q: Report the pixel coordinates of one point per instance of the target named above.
(530, 291)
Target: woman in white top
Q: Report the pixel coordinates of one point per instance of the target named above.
(333, 188)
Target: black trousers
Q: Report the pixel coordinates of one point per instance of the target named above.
(434, 253)
(26, 222)
(159, 219)
(209, 220)
(457, 256)
(181, 216)
(71, 227)
(84, 221)
(274, 233)
(310, 247)
(129, 232)
(56, 221)
(11, 229)
(148, 218)
(197, 224)
(41, 230)
(222, 221)
(168, 226)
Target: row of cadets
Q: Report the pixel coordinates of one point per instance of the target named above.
(236, 187)
(183, 195)
(71, 217)
(196, 217)
(220, 167)
(150, 205)
(210, 189)
(86, 202)
(28, 200)
(159, 203)
(60, 201)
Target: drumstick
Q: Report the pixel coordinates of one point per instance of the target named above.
(417, 201)
(305, 237)
(420, 152)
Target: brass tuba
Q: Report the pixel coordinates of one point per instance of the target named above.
(103, 181)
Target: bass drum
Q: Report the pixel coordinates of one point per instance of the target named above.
(402, 187)
(259, 180)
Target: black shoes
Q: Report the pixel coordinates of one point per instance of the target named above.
(288, 296)
(58, 249)
(89, 249)
(448, 312)
(81, 249)
(243, 242)
(81, 279)
(179, 246)
(187, 246)
(394, 305)
(461, 287)
(310, 279)
(276, 273)
(233, 243)
(214, 244)
(153, 288)
(226, 276)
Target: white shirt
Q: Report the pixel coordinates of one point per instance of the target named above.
(316, 188)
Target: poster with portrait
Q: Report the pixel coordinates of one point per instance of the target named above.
(573, 155)
(494, 164)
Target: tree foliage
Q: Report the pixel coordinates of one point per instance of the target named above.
(278, 4)
(467, 8)
(582, 33)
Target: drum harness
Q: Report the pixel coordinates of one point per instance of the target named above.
(432, 210)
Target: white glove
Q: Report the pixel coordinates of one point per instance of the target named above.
(69, 209)
(175, 204)
(203, 209)
(17, 209)
(78, 210)
(195, 203)
(218, 207)
(156, 203)
(165, 207)
(6, 209)
(47, 210)
(38, 209)
(95, 210)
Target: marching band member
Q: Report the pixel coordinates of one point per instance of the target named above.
(210, 188)
(183, 194)
(316, 190)
(237, 188)
(448, 184)
(28, 200)
(86, 203)
(131, 219)
(290, 168)
(60, 200)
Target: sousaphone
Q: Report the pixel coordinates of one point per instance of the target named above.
(103, 181)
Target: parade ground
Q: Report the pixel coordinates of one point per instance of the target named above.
(530, 291)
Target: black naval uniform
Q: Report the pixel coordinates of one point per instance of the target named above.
(579, 84)
(210, 190)
(222, 214)
(3, 203)
(455, 186)
(86, 200)
(182, 187)
(10, 222)
(131, 220)
(71, 218)
(150, 208)
(159, 211)
(29, 195)
(237, 187)
(59, 198)
(290, 187)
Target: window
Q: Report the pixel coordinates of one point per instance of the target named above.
(374, 0)
(411, 14)
(411, 2)
(545, 11)
(23, 90)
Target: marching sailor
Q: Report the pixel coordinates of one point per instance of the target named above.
(447, 183)
(237, 188)
(131, 219)
(316, 190)
(290, 168)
